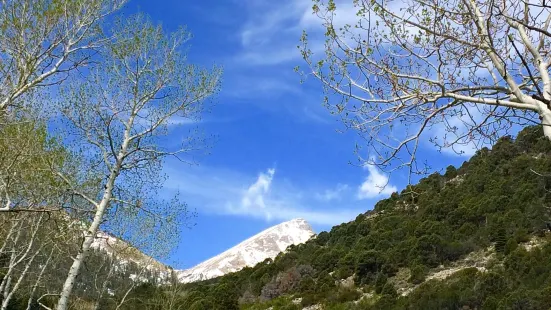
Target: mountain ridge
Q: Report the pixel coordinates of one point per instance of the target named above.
(261, 246)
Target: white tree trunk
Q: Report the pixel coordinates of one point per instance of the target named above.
(84, 249)
(157, 94)
(10, 293)
(545, 116)
(39, 279)
(6, 281)
(63, 302)
(104, 287)
(546, 122)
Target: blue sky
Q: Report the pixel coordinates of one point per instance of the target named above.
(277, 154)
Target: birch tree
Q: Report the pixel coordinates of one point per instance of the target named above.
(456, 73)
(118, 117)
(27, 156)
(42, 41)
(21, 256)
(31, 244)
(25, 247)
(122, 267)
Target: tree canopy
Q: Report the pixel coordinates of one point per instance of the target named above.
(455, 73)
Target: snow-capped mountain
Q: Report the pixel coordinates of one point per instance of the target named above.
(124, 254)
(267, 244)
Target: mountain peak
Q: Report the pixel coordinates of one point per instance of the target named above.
(297, 220)
(266, 244)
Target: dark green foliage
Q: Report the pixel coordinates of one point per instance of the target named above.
(368, 265)
(380, 282)
(308, 300)
(500, 240)
(345, 295)
(307, 285)
(418, 273)
(201, 304)
(389, 290)
(451, 172)
(494, 199)
(510, 246)
(324, 282)
(225, 297)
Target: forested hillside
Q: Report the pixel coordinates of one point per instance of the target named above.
(495, 206)
(475, 237)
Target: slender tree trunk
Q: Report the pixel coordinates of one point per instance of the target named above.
(4, 285)
(129, 290)
(39, 279)
(104, 288)
(63, 302)
(8, 235)
(546, 122)
(7, 290)
(11, 292)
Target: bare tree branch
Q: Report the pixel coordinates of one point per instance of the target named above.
(391, 70)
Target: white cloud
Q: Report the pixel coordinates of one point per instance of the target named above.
(317, 114)
(458, 125)
(375, 185)
(179, 120)
(253, 86)
(261, 68)
(272, 31)
(145, 119)
(332, 194)
(226, 192)
(268, 36)
(259, 200)
(254, 195)
(283, 210)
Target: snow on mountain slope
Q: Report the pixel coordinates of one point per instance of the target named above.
(124, 253)
(267, 244)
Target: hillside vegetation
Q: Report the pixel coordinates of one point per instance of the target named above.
(472, 238)
(475, 237)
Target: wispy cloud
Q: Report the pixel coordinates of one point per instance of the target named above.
(253, 197)
(259, 67)
(255, 86)
(449, 133)
(261, 200)
(375, 185)
(179, 121)
(317, 114)
(270, 34)
(272, 31)
(333, 193)
(265, 196)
